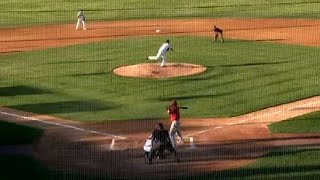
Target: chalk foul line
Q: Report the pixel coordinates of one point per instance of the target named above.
(62, 125)
(254, 118)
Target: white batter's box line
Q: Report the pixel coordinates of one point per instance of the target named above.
(63, 125)
(204, 131)
(192, 145)
(112, 145)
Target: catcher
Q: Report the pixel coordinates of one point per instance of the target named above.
(157, 143)
(217, 32)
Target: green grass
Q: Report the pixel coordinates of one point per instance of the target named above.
(12, 134)
(77, 82)
(303, 124)
(24, 13)
(284, 163)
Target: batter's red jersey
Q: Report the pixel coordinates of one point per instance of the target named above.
(174, 114)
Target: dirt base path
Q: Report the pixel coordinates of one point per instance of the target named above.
(288, 31)
(115, 148)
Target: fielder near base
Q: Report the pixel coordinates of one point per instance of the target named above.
(81, 19)
(217, 32)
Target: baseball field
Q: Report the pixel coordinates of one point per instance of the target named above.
(253, 108)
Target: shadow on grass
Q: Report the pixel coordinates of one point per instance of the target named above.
(193, 97)
(276, 137)
(292, 151)
(254, 64)
(266, 5)
(230, 92)
(21, 90)
(76, 62)
(225, 73)
(91, 74)
(268, 40)
(249, 151)
(274, 170)
(65, 107)
(274, 27)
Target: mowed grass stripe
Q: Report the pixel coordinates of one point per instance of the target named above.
(242, 77)
(303, 124)
(282, 163)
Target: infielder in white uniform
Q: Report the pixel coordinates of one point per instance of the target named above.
(81, 19)
(162, 52)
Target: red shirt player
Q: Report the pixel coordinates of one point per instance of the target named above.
(217, 32)
(174, 114)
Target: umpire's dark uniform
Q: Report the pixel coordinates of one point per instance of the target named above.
(160, 142)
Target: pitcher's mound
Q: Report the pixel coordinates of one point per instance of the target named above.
(153, 70)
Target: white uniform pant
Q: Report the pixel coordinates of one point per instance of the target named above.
(174, 131)
(83, 24)
(159, 55)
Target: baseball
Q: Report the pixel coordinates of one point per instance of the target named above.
(158, 30)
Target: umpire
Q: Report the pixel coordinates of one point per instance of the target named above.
(160, 142)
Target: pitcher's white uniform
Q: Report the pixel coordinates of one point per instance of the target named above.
(162, 52)
(81, 19)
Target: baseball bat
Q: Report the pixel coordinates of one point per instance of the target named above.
(168, 107)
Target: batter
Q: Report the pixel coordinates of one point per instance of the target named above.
(174, 114)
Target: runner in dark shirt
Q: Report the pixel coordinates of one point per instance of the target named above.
(217, 32)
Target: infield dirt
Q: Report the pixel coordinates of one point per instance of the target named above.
(220, 143)
(288, 31)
